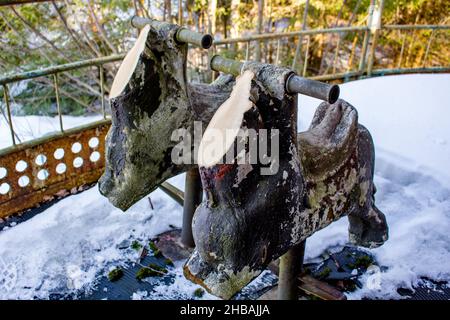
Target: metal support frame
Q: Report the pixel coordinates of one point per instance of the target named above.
(193, 194)
(291, 264)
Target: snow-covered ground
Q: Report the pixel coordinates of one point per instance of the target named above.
(72, 243)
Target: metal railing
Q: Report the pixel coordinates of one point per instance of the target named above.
(54, 71)
(367, 58)
(365, 66)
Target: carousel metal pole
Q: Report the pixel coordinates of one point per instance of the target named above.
(192, 198)
(291, 264)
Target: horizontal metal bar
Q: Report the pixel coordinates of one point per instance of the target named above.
(230, 66)
(173, 192)
(52, 136)
(276, 35)
(381, 72)
(204, 41)
(313, 88)
(336, 76)
(60, 68)
(183, 34)
(294, 84)
(415, 26)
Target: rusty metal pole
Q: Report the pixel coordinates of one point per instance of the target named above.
(193, 194)
(291, 264)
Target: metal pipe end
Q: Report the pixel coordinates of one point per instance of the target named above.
(132, 21)
(211, 61)
(207, 41)
(333, 94)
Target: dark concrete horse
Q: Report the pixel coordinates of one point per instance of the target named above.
(324, 173)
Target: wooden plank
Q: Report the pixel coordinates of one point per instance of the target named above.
(319, 289)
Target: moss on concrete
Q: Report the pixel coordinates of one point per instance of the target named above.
(115, 274)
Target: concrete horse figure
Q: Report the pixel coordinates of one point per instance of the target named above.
(324, 173)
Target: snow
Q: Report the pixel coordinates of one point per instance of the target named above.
(180, 288)
(69, 245)
(408, 117)
(63, 249)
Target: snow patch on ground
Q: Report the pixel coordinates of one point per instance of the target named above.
(65, 248)
(180, 288)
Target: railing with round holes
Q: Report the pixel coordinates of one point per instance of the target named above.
(37, 170)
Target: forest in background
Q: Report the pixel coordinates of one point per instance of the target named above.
(37, 35)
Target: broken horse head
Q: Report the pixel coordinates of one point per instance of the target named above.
(151, 99)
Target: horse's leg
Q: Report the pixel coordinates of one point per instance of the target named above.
(368, 226)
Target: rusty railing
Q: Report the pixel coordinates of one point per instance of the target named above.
(34, 171)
